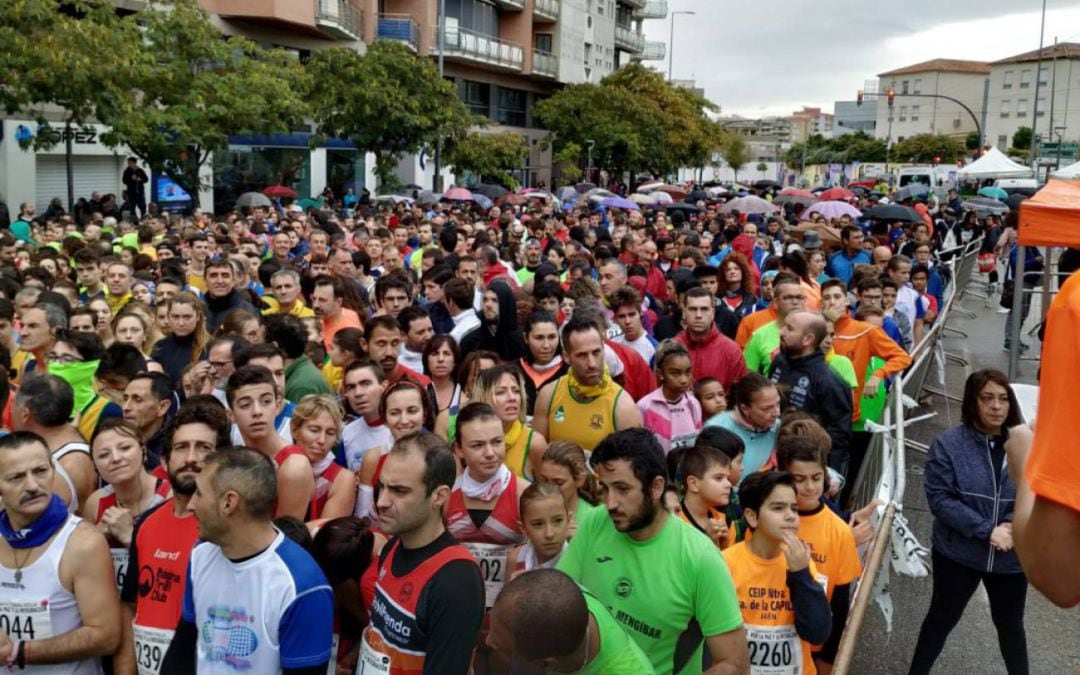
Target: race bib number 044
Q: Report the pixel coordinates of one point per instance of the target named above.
(25, 619)
(774, 650)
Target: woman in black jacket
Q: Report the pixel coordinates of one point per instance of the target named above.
(971, 497)
(187, 338)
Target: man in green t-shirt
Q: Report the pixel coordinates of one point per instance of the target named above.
(663, 581)
(543, 618)
(789, 296)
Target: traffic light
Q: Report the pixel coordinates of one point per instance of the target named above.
(892, 95)
(858, 98)
(937, 159)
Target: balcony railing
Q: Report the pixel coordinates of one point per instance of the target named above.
(545, 64)
(516, 5)
(634, 4)
(654, 9)
(547, 9)
(472, 46)
(400, 27)
(629, 40)
(339, 18)
(654, 51)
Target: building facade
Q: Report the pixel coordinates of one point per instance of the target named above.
(850, 117)
(916, 107)
(810, 122)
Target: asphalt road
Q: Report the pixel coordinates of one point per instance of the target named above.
(1053, 634)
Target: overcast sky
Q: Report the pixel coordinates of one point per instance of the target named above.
(772, 57)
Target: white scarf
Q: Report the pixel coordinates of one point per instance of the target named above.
(490, 489)
(553, 363)
(322, 488)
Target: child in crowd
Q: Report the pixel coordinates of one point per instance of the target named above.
(711, 396)
(545, 521)
(731, 445)
(705, 474)
(670, 412)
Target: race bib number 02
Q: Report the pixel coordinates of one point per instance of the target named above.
(150, 647)
(774, 650)
(25, 619)
(492, 561)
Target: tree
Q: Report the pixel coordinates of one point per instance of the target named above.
(1021, 140)
(761, 167)
(492, 156)
(569, 162)
(191, 89)
(844, 149)
(972, 140)
(736, 153)
(389, 102)
(927, 148)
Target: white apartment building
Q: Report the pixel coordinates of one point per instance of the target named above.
(914, 113)
(1012, 101)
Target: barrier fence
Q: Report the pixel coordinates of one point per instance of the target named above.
(884, 470)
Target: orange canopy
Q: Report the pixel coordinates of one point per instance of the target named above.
(1052, 216)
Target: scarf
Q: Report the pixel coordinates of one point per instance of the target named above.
(488, 490)
(590, 391)
(513, 434)
(543, 367)
(81, 378)
(38, 532)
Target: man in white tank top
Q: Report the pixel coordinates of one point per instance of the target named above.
(58, 610)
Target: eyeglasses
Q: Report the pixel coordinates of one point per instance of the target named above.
(218, 365)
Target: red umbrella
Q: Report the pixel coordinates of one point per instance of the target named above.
(457, 194)
(837, 194)
(795, 192)
(512, 199)
(282, 191)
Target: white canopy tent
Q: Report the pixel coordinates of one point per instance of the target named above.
(1067, 172)
(994, 164)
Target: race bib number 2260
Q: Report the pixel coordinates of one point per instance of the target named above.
(774, 650)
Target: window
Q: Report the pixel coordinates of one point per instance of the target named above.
(1021, 108)
(914, 113)
(1041, 105)
(1003, 142)
(478, 98)
(473, 15)
(1006, 107)
(903, 112)
(1025, 79)
(1043, 70)
(918, 86)
(543, 42)
(511, 107)
(1007, 80)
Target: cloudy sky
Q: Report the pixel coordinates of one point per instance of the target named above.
(774, 56)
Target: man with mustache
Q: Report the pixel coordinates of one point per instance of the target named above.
(162, 540)
(56, 577)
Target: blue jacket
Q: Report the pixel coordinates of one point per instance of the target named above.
(842, 267)
(969, 498)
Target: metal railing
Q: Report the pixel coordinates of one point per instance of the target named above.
(548, 9)
(628, 39)
(545, 63)
(654, 51)
(339, 17)
(517, 5)
(467, 44)
(654, 9)
(400, 27)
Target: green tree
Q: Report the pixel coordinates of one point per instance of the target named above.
(568, 161)
(761, 167)
(927, 147)
(191, 89)
(389, 102)
(1021, 140)
(736, 153)
(491, 156)
(972, 140)
(844, 149)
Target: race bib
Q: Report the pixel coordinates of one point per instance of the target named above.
(492, 561)
(25, 619)
(774, 650)
(120, 564)
(372, 661)
(331, 667)
(150, 647)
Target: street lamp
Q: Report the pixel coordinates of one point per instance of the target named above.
(1060, 133)
(588, 171)
(671, 40)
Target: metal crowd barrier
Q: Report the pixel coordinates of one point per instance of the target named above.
(883, 474)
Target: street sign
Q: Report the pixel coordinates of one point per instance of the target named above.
(1068, 150)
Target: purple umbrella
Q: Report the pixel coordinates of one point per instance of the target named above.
(833, 210)
(619, 203)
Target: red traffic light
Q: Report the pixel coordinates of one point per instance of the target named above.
(937, 159)
(892, 95)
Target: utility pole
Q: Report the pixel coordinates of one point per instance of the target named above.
(441, 41)
(986, 103)
(671, 42)
(1038, 81)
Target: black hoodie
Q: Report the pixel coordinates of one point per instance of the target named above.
(502, 336)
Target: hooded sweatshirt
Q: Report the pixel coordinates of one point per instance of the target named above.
(502, 336)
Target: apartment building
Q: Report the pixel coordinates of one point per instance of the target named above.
(1012, 101)
(915, 111)
(810, 122)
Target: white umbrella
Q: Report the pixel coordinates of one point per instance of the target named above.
(749, 204)
(639, 198)
(650, 186)
(662, 197)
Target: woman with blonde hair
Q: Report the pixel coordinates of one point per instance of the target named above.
(188, 339)
(316, 427)
(134, 326)
(503, 388)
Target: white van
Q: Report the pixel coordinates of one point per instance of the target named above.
(1016, 183)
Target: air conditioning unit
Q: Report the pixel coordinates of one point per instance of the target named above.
(956, 123)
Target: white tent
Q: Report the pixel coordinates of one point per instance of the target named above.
(994, 164)
(1067, 172)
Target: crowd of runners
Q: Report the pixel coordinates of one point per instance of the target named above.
(394, 439)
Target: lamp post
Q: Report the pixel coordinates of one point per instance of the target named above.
(1060, 133)
(671, 41)
(588, 171)
(441, 43)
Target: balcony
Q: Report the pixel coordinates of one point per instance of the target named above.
(513, 5)
(628, 40)
(545, 64)
(634, 4)
(654, 51)
(338, 18)
(546, 10)
(400, 27)
(466, 45)
(654, 9)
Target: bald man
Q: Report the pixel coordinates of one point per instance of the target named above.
(545, 619)
(812, 386)
(881, 257)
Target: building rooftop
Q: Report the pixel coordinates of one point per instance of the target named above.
(1062, 50)
(942, 65)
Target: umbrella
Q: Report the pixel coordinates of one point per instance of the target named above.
(750, 204)
(509, 198)
(282, 191)
(490, 191)
(699, 195)
(836, 194)
(482, 201)
(795, 196)
(830, 236)
(567, 193)
(984, 206)
(308, 202)
(894, 212)
(427, 198)
(765, 184)
(718, 191)
(582, 188)
(619, 203)
(675, 191)
(413, 187)
(599, 194)
(661, 197)
(993, 193)
(860, 189)
(1014, 200)
(397, 199)
(457, 194)
(639, 198)
(686, 208)
(833, 210)
(912, 190)
(649, 186)
(252, 199)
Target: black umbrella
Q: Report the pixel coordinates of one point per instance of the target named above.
(490, 191)
(697, 195)
(582, 188)
(894, 212)
(686, 208)
(859, 189)
(1014, 200)
(765, 184)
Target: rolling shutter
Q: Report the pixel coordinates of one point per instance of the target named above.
(92, 174)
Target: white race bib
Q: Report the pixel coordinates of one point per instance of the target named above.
(331, 667)
(150, 647)
(371, 661)
(120, 564)
(25, 619)
(774, 650)
(492, 561)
